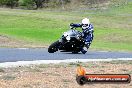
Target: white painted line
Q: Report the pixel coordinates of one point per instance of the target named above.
(104, 51)
(23, 48)
(37, 62)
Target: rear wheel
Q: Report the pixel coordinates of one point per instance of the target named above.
(53, 47)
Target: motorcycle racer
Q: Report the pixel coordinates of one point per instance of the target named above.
(87, 32)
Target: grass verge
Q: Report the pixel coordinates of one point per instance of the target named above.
(112, 27)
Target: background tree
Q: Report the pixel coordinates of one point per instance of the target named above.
(12, 3)
(61, 4)
(39, 3)
(9, 3)
(29, 4)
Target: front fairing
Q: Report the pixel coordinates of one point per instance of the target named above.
(73, 33)
(74, 42)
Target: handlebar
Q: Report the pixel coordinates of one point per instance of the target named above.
(71, 27)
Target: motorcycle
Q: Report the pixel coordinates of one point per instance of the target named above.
(71, 41)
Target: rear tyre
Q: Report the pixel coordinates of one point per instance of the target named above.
(53, 47)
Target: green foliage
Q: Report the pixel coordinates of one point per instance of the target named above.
(32, 4)
(9, 3)
(1, 2)
(28, 3)
(62, 4)
(39, 3)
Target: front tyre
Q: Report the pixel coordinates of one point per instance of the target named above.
(53, 47)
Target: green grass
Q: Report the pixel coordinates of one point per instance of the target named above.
(113, 27)
(115, 39)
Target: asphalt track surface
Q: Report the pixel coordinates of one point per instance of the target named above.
(31, 54)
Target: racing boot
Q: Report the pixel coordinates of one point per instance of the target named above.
(84, 49)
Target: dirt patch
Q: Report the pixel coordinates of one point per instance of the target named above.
(61, 75)
(6, 41)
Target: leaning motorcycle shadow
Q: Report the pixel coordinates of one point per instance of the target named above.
(93, 54)
(68, 52)
(71, 53)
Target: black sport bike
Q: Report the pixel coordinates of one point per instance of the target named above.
(71, 41)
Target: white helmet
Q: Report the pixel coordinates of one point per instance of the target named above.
(85, 21)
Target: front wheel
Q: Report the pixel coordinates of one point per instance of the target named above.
(53, 47)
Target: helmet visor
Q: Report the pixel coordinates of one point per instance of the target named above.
(85, 25)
